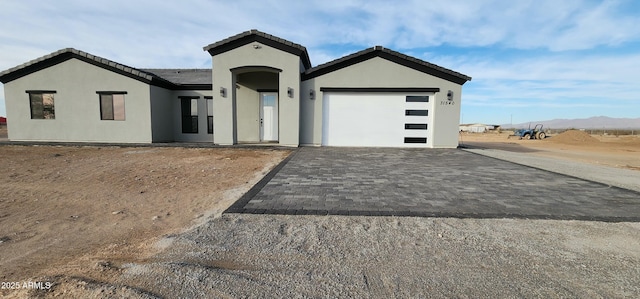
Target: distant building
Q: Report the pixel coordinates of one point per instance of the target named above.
(3, 120)
(478, 128)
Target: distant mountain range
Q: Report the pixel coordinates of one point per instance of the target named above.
(598, 122)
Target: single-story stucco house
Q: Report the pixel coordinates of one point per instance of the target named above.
(261, 88)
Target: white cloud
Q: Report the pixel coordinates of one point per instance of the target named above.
(546, 24)
(152, 32)
(539, 66)
(539, 84)
(146, 33)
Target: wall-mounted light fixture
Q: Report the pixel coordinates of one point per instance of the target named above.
(290, 92)
(312, 94)
(256, 46)
(450, 95)
(223, 92)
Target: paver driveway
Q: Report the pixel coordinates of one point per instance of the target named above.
(429, 182)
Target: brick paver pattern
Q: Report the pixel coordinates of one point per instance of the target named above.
(431, 182)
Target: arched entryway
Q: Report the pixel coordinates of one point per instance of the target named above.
(256, 104)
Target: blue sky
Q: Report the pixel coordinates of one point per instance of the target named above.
(530, 60)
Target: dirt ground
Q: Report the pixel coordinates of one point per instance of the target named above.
(98, 222)
(81, 211)
(614, 151)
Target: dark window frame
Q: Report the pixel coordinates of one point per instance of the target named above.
(415, 140)
(416, 112)
(110, 113)
(417, 99)
(415, 126)
(209, 117)
(42, 111)
(189, 121)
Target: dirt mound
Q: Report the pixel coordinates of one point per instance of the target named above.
(573, 137)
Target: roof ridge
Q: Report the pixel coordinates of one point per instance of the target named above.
(424, 62)
(271, 40)
(254, 32)
(345, 59)
(338, 60)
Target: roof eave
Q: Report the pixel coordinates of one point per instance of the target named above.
(339, 63)
(247, 37)
(193, 87)
(425, 67)
(35, 65)
(69, 53)
(390, 55)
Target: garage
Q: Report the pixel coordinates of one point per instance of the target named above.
(380, 98)
(376, 119)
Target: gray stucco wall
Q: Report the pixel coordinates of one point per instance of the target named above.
(446, 117)
(162, 115)
(246, 56)
(77, 106)
(379, 72)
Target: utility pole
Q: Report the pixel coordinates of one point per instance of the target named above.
(512, 121)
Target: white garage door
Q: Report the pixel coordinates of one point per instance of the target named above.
(376, 119)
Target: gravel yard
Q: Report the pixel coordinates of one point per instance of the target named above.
(245, 255)
(382, 257)
(277, 256)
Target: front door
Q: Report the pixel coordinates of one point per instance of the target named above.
(269, 116)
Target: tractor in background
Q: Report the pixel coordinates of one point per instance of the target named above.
(536, 133)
